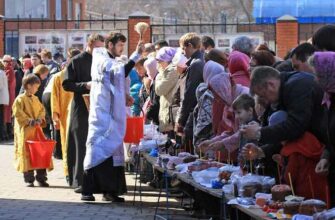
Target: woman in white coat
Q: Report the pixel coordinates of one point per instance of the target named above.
(4, 100)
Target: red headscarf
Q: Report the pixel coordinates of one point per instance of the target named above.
(26, 64)
(238, 64)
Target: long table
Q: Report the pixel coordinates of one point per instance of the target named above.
(254, 213)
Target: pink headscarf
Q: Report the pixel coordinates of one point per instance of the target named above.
(238, 64)
(211, 69)
(324, 64)
(150, 65)
(166, 54)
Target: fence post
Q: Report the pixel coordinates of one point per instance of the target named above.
(54, 21)
(102, 21)
(90, 21)
(18, 22)
(287, 32)
(2, 36)
(66, 18)
(42, 21)
(163, 28)
(133, 36)
(114, 20)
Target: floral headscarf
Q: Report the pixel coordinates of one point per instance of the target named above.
(324, 64)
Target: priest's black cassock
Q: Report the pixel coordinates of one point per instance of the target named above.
(78, 73)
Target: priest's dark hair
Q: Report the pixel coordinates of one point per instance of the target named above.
(114, 37)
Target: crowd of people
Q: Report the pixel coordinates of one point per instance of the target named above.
(248, 104)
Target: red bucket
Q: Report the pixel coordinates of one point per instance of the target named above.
(134, 130)
(40, 150)
(40, 153)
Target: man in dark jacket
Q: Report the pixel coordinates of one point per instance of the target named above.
(190, 44)
(299, 95)
(77, 79)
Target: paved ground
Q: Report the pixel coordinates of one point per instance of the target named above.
(60, 202)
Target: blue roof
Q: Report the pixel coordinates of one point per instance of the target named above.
(306, 11)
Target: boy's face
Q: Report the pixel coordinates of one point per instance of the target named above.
(243, 116)
(32, 89)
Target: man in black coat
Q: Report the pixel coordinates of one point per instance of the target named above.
(190, 44)
(299, 95)
(77, 79)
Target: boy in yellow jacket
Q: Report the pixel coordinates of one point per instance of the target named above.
(28, 112)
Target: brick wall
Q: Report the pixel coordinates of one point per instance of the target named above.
(287, 33)
(133, 36)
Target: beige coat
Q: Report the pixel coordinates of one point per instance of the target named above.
(165, 84)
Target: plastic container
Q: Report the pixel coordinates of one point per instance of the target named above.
(40, 153)
(40, 150)
(134, 130)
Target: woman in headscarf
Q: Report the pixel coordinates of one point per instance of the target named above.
(211, 69)
(207, 108)
(202, 115)
(324, 65)
(166, 81)
(238, 64)
(226, 91)
(152, 110)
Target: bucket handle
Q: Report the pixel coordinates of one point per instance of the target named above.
(39, 135)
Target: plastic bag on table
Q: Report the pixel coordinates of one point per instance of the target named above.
(325, 215)
(249, 185)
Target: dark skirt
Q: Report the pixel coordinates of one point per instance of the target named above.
(105, 178)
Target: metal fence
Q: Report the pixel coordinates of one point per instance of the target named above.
(17, 26)
(169, 28)
(160, 29)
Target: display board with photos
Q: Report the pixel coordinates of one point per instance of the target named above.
(35, 42)
(55, 41)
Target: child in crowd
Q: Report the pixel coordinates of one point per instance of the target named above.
(244, 111)
(28, 112)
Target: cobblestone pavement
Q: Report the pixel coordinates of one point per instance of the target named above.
(60, 202)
